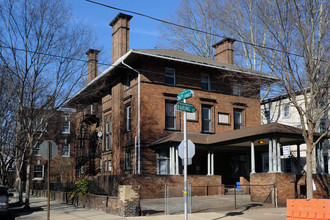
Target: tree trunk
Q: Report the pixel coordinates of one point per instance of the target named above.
(309, 178)
(27, 185)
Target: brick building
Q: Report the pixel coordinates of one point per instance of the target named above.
(60, 129)
(130, 111)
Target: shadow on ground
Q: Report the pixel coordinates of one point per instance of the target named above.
(240, 212)
(17, 209)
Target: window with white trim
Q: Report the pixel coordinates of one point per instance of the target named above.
(206, 118)
(66, 127)
(286, 111)
(223, 118)
(37, 150)
(162, 162)
(65, 149)
(38, 172)
(128, 118)
(109, 165)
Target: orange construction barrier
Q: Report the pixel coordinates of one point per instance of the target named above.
(304, 209)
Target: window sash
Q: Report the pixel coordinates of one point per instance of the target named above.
(66, 150)
(238, 122)
(128, 118)
(38, 172)
(170, 116)
(205, 82)
(170, 77)
(66, 127)
(206, 119)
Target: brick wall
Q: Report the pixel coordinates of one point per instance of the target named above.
(153, 186)
(262, 187)
(126, 204)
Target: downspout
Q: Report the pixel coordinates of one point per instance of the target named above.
(139, 115)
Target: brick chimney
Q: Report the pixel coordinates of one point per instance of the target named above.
(120, 35)
(92, 64)
(224, 51)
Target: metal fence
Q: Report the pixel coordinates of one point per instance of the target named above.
(174, 199)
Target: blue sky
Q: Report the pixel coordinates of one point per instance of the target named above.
(144, 33)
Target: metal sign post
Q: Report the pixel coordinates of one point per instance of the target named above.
(185, 107)
(48, 151)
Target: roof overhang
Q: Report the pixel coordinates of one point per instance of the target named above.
(95, 89)
(260, 135)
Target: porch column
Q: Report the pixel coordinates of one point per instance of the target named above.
(270, 155)
(274, 155)
(278, 156)
(253, 168)
(212, 162)
(171, 160)
(208, 163)
(176, 161)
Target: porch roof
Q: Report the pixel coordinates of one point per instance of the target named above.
(242, 137)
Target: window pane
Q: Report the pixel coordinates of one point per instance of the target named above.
(170, 117)
(163, 166)
(205, 82)
(169, 76)
(238, 119)
(206, 119)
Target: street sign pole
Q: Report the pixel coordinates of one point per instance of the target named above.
(185, 150)
(48, 199)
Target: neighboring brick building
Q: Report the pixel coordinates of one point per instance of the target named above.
(61, 130)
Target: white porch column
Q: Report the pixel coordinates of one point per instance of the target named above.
(274, 155)
(176, 161)
(208, 163)
(279, 156)
(270, 155)
(253, 167)
(172, 160)
(212, 162)
(328, 158)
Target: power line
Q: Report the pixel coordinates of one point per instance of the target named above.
(190, 28)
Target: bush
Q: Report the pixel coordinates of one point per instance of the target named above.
(81, 189)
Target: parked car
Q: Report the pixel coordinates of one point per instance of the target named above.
(4, 199)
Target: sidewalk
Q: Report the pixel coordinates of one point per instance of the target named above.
(68, 212)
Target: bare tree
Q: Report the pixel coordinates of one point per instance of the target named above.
(197, 15)
(300, 30)
(40, 48)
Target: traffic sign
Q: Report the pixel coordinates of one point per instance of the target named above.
(191, 149)
(186, 107)
(44, 149)
(184, 95)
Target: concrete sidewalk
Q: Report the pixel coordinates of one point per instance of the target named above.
(65, 212)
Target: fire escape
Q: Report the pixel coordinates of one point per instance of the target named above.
(88, 148)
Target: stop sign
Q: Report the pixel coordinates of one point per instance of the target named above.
(191, 149)
(44, 149)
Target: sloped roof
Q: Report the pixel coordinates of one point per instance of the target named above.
(93, 90)
(249, 133)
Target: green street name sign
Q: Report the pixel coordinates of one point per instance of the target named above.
(184, 95)
(185, 107)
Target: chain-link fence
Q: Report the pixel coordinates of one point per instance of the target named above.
(174, 199)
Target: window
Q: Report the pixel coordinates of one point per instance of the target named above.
(66, 127)
(286, 111)
(82, 138)
(82, 170)
(238, 119)
(265, 162)
(65, 149)
(223, 118)
(108, 135)
(109, 165)
(323, 125)
(267, 114)
(170, 77)
(128, 118)
(170, 115)
(105, 166)
(37, 150)
(128, 80)
(237, 88)
(205, 82)
(206, 119)
(128, 160)
(162, 162)
(38, 172)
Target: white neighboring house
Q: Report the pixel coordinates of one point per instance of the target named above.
(279, 109)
